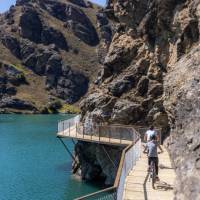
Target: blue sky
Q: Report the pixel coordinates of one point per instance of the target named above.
(5, 4)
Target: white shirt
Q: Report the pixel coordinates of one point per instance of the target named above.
(150, 133)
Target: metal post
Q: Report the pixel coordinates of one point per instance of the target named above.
(83, 131)
(76, 130)
(63, 127)
(99, 132)
(69, 128)
(109, 135)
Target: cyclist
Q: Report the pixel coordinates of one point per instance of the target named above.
(148, 135)
(152, 146)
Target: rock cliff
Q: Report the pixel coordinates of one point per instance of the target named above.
(150, 75)
(52, 45)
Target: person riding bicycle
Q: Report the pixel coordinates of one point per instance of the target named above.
(148, 135)
(152, 146)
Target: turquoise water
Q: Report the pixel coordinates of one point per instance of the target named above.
(33, 163)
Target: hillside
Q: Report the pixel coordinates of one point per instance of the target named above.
(49, 53)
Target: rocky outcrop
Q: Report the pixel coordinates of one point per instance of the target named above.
(12, 44)
(75, 20)
(51, 36)
(31, 25)
(16, 104)
(95, 163)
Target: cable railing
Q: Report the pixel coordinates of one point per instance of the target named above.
(130, 154)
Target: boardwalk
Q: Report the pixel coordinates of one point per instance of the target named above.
(131, 182)
(72, 133)
(138, 187)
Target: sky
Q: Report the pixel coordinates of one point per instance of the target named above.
(5, 4)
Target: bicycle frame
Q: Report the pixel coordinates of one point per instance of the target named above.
(152, 174)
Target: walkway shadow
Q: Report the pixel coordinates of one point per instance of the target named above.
(145, 187)
(164, 186)
(161, 185)
(161, 166)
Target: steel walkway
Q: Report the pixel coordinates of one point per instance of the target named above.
(74, 134)
(138, 187)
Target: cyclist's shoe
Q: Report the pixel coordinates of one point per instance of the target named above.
(157, 178)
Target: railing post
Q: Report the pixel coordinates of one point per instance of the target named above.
(76, 130)
(99, 132)
(63, 125)
(109, 135)
(91, 135)
(69, 128)
(83, 130)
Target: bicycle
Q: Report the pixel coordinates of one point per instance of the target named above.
(152, 173)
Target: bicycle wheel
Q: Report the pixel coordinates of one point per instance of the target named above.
(153, 174)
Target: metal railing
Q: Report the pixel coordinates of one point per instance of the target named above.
(67, 125)
(130, 154)
(110, 132)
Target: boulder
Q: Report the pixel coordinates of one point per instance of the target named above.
(118, 87)
(155, 90)
(27, 48)
(121, 52)
(53, 70)
(10, 91)
(126, 112)
(143, 85)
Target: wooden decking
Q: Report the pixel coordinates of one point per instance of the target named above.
(138, 187)
(72, 133)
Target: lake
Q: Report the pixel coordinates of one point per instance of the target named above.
(34, 165)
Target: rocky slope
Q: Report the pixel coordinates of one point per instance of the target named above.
(49, 53)
(151, 75)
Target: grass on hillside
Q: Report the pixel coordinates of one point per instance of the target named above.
(70, 109)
